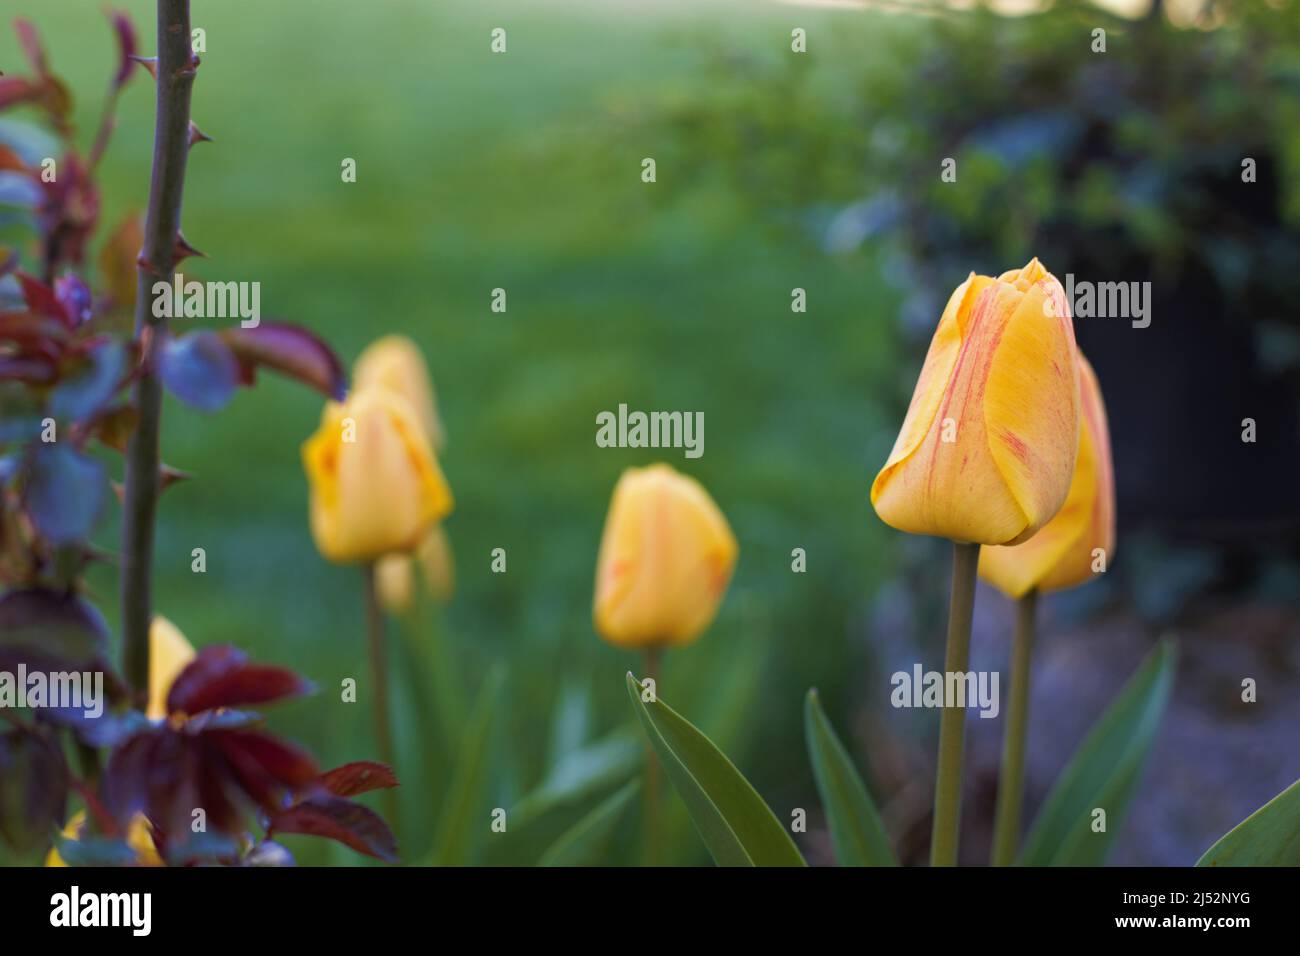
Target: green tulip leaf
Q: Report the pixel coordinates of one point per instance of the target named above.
(584, 843)
(736, 825)
(462, 811)
(856, 831)
(1268, 837)
(576, 784)
(1103, 773)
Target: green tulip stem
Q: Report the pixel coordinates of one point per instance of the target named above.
(952, 723)
(651, 660)
(379, 676)
(1011, 779)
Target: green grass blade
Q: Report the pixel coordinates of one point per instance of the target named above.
(856, 831)
(584, 843)
(462, 815)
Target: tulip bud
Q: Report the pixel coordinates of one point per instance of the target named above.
(169, 654)
(666, 558)
(394, 362)
(987, 449)
(395, 582)
(395, 573)
(375, 484)
(1062, 554)
(437, 566)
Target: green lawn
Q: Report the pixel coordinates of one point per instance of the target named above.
(519, 171)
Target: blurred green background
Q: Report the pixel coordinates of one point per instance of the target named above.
(522, 171)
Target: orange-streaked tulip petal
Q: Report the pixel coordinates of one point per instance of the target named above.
(987, 448)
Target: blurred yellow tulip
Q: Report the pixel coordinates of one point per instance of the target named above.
(139, 837)
(987, 449)
(1064, 552)
(395, 573)
(665, 560)
(169, 654)
(375, 484)
(394, 362)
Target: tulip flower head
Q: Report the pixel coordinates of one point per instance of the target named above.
(986, 452)
(375, 484)
(665, 560)
(394, 362)
(1064, 552)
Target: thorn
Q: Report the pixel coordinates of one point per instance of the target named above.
(146, 265)
(183, 250)
(197, 135)
(150, 63)
(168, 476)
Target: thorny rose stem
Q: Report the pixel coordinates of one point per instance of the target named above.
(1011, 779)
(952, 723)
(176, 68)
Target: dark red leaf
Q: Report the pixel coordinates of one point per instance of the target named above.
(221, 676)
(32, 46)
(360, 776)
(42, 300)
(125, 44)
(349, 823)
(125, 788)
(289, 349)
(267, 770)
(211, 763)
(33, 333)
(17, 89)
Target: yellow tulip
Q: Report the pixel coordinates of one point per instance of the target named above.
(987, 449)
(139, 837)
(394, 362)
(375, 484)
(1061, 554)
(169, 654)
(666, 558)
